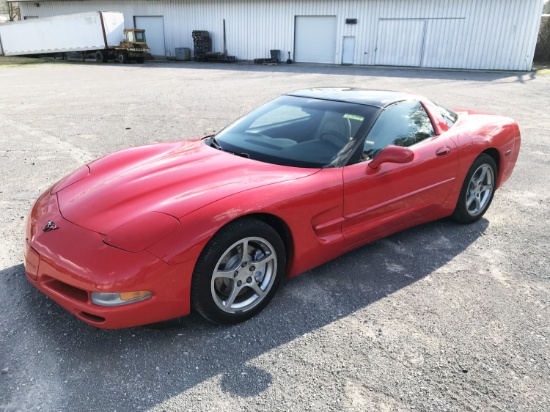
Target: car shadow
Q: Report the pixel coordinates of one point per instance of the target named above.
(147, 366)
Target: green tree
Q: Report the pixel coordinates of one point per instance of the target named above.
(3, 7)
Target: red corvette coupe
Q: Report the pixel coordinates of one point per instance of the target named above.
(213, 225)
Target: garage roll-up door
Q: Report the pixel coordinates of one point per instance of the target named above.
(315, 39)
(419, 42)
(400, 42)
(154, 33)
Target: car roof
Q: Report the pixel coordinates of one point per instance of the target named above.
(375, 98)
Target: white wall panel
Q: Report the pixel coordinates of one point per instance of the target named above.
(476, 34)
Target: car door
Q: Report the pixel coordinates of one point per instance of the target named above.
(379, 201)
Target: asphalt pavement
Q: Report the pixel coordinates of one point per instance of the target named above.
(441, 317)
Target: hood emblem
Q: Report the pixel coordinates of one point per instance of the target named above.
(50, 226)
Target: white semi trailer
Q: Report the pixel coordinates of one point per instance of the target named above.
(99, 33)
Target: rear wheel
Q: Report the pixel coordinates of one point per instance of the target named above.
(477, 190)
(140, 60)
(238, 272)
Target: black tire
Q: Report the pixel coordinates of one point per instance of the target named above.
(101, 56)
(122, 57)
(251, 280)
(477, 190)
(140, 60)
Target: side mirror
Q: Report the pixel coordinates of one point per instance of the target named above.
(392, 154)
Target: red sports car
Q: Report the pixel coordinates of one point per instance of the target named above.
(213, 225)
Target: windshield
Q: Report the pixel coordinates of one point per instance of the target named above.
(298, 131)
(140, 36)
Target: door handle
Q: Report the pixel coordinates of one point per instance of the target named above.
(443, 151)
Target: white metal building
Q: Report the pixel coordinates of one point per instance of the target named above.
(462, 34)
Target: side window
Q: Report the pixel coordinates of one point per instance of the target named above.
(402, 124)
(281, 114)
(448, 115)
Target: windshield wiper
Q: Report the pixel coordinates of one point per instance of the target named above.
(215, 143)
(242, 154)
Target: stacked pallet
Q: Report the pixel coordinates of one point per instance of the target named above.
(202, 44)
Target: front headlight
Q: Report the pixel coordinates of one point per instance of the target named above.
(142, 232)
(119, 298)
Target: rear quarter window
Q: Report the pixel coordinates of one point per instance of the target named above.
(448, 115)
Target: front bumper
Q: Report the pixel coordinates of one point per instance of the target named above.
(70, 262)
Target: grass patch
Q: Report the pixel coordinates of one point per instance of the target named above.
(19, 61)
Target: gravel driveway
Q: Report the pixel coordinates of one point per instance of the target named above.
(441, 317)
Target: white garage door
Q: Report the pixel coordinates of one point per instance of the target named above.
(315, 39)
(442, 45)
(154, 33)
(400, 42)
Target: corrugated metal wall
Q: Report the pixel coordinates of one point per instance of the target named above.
(468, 34)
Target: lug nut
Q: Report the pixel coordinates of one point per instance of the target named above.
(252, 268)
(248, 280)
(243, 264)
(239, 283)
(236, 274)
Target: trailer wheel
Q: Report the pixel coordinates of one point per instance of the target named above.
(122, 57)
(101, 56)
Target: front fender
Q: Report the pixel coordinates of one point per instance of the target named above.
(311, 207)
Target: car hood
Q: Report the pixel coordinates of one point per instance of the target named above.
(172, 178)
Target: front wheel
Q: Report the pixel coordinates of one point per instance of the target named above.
(238, 272)
(477, 190)
(122, 57)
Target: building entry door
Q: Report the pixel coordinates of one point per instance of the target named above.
(348, 50)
